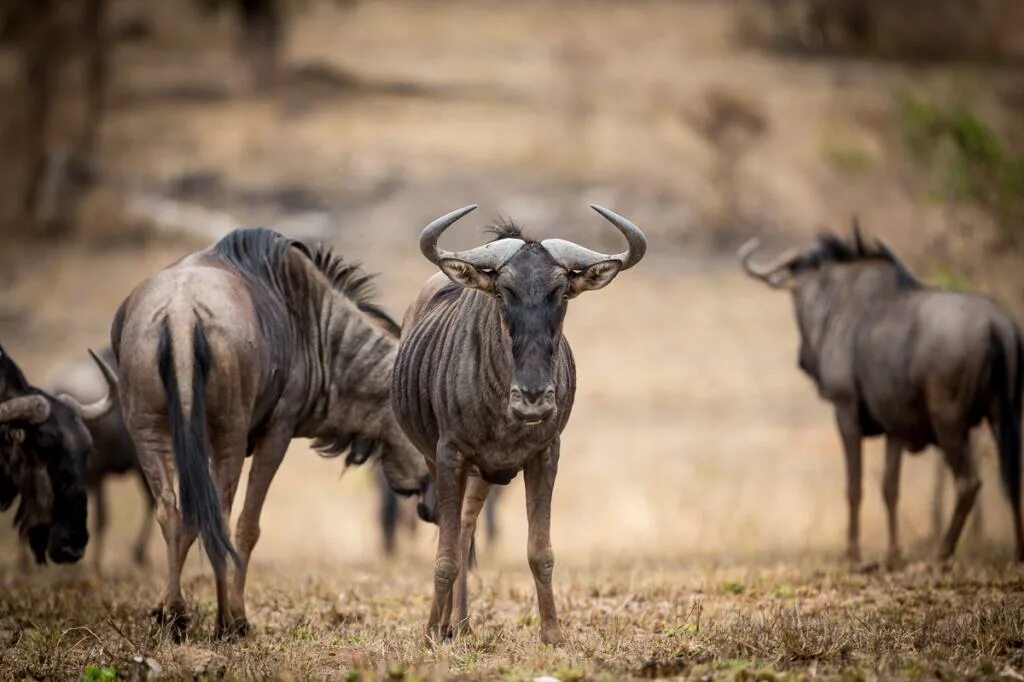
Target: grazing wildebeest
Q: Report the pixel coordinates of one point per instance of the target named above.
(237, 349)
(43, 447)
(484, 383)
(896, 358)
(112, 452)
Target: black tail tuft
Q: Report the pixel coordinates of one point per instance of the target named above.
(200, 503)
(1009, 402)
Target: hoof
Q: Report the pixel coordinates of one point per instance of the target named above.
(437, 636)
(853, 554)
(552, 636)
(894, 561)
(236, 629)
(176, 622)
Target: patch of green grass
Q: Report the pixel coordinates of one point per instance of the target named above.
(93, 673)
(845, 156)
(951, 281)
(785, 591)
(967, 159)
(527, 620)
(732, 587)
(568, 674)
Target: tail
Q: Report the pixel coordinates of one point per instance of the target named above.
(200, 503)
(1009, 400)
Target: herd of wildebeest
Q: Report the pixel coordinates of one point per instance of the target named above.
(233, 351)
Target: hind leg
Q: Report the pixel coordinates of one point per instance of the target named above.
(938, 505)
(388, 514)
(229, 455)
(99, 530)
(476, 496)
(142, 539)
(1013, 494)
(154, 450)
(491, 516)
(957, 451)
(266, 459)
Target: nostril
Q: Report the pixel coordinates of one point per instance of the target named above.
(533, 397)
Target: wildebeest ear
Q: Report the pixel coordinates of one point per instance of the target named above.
(467, 275)
(594, 277)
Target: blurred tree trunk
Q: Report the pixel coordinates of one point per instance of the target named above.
(262, 33)
(52, 135)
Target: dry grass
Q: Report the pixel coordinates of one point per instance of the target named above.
(760, 621)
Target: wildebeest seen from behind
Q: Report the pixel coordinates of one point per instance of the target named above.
(919, 365)
(112, 453)
(484, 384)
(237, 349)
(43, 448)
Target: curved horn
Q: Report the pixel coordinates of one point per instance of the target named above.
(488, 256)
(34, 409)
(767, 271)
(103, 406)
(575, 257)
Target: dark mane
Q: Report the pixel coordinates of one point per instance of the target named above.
(831, 248)
(505, 228)
(262, 254)
(355, 283)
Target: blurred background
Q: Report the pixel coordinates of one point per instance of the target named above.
(136, 131)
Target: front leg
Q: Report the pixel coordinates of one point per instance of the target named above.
(450, 479)
(267, 456)
(891, 494)
(473, 501)
(849, 429)
(539, 475)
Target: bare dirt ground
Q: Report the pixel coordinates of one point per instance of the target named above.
(699, 513)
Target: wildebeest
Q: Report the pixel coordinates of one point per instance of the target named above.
(235, 350)
(112, 452)
(484, 384)
(919, 365)
(43, 448)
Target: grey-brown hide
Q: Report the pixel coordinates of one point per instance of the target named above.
(916, 364)
(484, 385)
(234, 351)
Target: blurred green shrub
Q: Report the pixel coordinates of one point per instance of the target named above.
(967, 160)
(845, 155)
